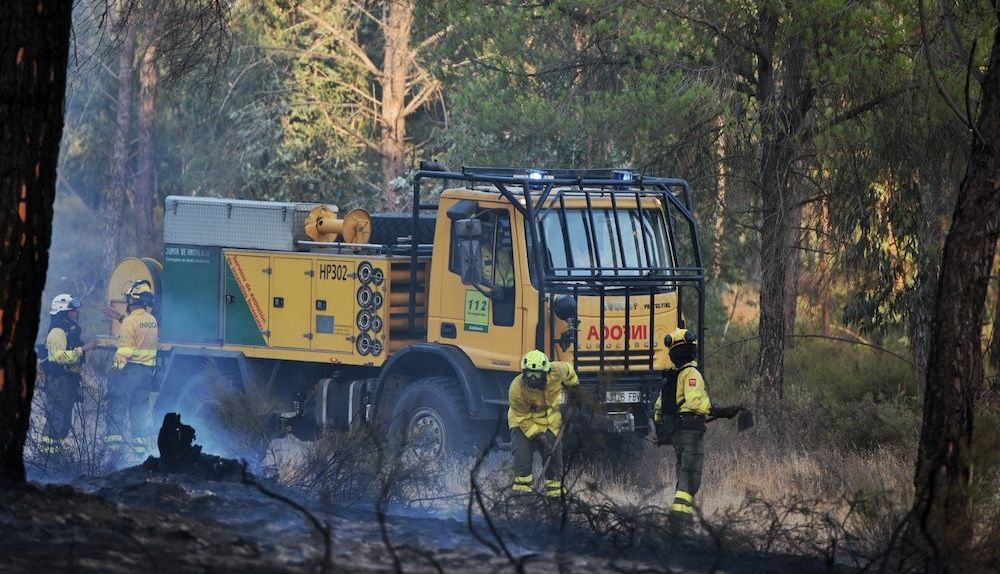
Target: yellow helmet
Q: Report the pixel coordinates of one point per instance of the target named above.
(680, 337)
(140, 292)
(535, 361)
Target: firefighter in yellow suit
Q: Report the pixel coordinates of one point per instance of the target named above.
(535, 419)
(680, 420)
(65, 352)
(134, 362)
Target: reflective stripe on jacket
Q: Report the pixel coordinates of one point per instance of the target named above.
(137, 340)
(56, 343)
(536, 411)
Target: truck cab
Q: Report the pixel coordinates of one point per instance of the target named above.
(591, 266)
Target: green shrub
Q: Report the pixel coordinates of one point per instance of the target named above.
(837, 394)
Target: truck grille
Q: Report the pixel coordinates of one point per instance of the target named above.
(614, 360)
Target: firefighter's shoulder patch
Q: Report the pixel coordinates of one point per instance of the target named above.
(692, 382)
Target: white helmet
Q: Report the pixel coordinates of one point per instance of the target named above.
(63, 302)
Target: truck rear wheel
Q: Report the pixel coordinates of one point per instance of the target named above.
(429, 420)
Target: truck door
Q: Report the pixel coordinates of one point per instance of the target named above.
(334, 296)
(247, 291)
(290, 303)
(484, 320)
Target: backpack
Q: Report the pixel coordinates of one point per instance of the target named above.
(668, 407)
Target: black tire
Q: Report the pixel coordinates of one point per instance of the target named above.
(428, 418)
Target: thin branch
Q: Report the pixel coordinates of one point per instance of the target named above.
(320, 526)
(714, 28)
(421, 98)
(863, 108)
(937, 81)
(948, 17)
(349, 43)
(829, 337)
(433, 38)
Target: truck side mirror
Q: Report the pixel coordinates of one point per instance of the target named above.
(470, 258)
(470, 261)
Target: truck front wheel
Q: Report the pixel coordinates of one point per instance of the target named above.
(429, 421)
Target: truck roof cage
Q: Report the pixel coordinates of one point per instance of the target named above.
(537, 192)
(519, 172)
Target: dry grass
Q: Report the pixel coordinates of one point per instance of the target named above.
(85, 451)
(739, 471)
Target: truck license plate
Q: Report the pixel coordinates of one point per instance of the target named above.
(622, 397)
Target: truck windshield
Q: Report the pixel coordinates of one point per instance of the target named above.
(588, 248)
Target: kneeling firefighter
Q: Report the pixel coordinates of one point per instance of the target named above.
(681, 414)
(535, 419)
(65, 352)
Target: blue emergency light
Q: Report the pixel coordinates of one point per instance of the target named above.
(624, 175)
(537, 175)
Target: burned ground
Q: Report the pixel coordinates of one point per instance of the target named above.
(139, 520)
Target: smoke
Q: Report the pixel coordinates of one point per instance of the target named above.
(75, 263)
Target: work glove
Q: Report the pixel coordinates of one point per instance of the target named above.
(744, 418)
(533, 431)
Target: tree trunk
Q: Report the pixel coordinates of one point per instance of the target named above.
(720, 214)
(396, 63)
(773, 259)
(793, 273)
(993, 351)
(823, 283)
(34, 49)
(928, 262)
(145, 180)
(115, 194)
(781, 117)
(942, 522)
(771, 328)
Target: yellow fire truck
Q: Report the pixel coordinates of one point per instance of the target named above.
(420, 318)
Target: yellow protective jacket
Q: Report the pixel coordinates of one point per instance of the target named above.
(56, 344)
(691, 396)
(137, 340)
(536, 411)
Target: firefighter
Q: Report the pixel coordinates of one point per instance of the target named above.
(134, 362)
(535, 420)
(680, 417)
(498, 266)
(64, 356)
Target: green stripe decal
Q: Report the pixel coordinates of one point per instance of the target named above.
(241, 329)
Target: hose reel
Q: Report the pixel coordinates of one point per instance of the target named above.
(322, 225)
